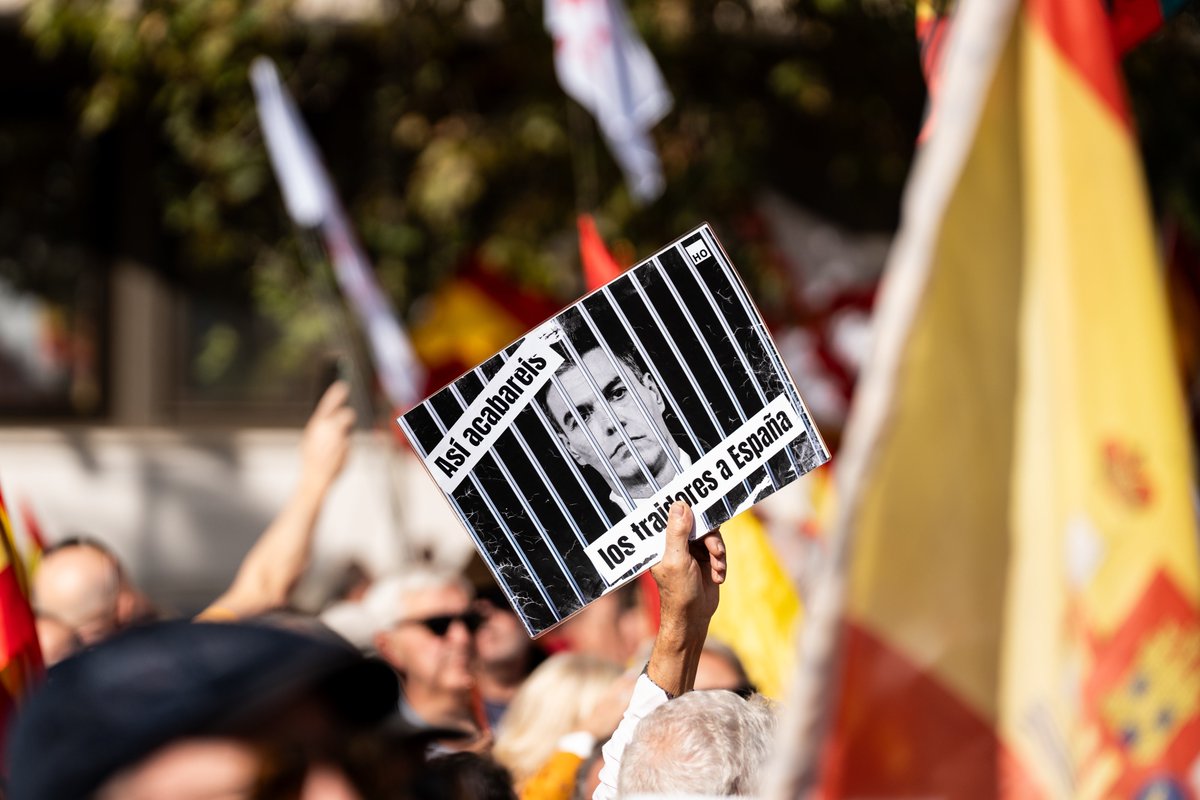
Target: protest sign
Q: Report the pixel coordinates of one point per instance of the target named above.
(562, 453)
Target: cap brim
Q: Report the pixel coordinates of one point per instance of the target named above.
(402, 727)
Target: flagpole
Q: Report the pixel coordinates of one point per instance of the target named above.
(319, 279)
(315, 211)
(321, 282)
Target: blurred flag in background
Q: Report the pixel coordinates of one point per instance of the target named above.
(313, 204)
(1130, 22)
(467, 319)
(1022, 599)
(599, 266)
(608, 70)
(20, 657)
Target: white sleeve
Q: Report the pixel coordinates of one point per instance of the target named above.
(646, 697)
(581, 743)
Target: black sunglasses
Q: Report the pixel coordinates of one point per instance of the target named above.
(745, 690)
(438, 625)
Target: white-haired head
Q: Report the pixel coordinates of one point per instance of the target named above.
(702, 743)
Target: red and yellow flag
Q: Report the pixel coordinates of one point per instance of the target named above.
(1130, 22)
(20, 656)
(1021, 611)
(467, 319)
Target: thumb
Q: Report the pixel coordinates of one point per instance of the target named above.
(679, 530)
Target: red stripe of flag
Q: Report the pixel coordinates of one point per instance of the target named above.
(902, 732)
(21, 663)
(34, 528)
(1080, 30)
(599, 267)
(1134, 20)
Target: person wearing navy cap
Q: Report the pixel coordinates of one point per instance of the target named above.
(187, 710)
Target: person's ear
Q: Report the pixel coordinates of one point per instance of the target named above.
(570, 448)
(127, 606)
(652, 388)
(388, 650)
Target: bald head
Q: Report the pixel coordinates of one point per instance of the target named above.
(80, 586)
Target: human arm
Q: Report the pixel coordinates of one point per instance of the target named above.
(275, 562)
(689, 579)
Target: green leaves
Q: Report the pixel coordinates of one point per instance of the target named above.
(448, 137)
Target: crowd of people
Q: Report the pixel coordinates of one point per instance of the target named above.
(424, 686)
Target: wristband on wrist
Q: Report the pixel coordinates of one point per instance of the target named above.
(646, 672)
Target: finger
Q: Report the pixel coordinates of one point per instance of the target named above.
(717, 571)
(336, 395)
(345, 418)
(679, 530)
(718, 564)
(714, 542)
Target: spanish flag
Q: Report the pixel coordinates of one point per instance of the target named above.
(20, 657)
(467, 319)
(1130, 22)
(1020, 612)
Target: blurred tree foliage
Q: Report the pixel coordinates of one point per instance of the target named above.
(1164, 86)
(449, 138)
(446, 131)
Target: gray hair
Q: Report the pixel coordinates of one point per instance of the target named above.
(382, 607)
(704, 743)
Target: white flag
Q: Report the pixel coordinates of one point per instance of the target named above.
(313, 203)
(603, 64)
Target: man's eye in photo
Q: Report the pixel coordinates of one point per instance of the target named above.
(617, 392)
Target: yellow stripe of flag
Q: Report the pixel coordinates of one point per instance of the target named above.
(759, 606)
(1023, 611)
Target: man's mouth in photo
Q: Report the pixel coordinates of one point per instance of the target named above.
(621, 449)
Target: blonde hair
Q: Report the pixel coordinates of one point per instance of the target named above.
(554, 700)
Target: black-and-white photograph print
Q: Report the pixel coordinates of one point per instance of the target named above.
(562, 453)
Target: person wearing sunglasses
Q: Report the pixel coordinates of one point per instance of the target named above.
(430, 641)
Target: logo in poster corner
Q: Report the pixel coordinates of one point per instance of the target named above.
(698, 251)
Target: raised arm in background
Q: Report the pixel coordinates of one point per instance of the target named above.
(279, 557)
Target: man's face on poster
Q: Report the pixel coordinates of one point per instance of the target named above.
(619, 389)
